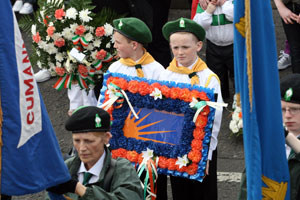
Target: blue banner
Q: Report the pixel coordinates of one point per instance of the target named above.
(31, 157)
(257, 82)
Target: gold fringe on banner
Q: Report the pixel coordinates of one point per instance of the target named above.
(249, 50)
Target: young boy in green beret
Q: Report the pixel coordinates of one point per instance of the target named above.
(185, 37)
(130, 36)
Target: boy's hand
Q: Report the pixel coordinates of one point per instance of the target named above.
(211, 7)
(221, 2)
(203, 4)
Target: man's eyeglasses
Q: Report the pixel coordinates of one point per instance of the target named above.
(292, 111)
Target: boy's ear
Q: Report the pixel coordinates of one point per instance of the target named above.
(134, 44)
(199, 45)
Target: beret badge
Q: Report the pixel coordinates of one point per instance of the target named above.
(120, 24)
(288, 94)
(181, 23)
(97, 121)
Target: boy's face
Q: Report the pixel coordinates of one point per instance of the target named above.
(185, 47)
(122, 45)
(291, 116)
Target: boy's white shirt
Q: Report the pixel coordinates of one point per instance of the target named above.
(221, 35)
(203, 75)
(151, 71)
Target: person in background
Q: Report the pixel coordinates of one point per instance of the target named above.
(185, 37)
(285, 58)
(289, 11)
(290, 106)
(24, 7)
(94, 173)
(216, 18)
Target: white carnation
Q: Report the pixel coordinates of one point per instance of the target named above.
(48, 38)
(51, 49)
(88, 37)
(55, 36)
(235, 116)
(73, 27)
(108, 29)
(33, 29)
(39, 64)
(90, 47)
(67, 33)
(42, 44)
(108, 45)
(71, 13)
(38, 53)
(93, 54)
(91, 29)
(240, 124)
(84, 15)
(58, 64)
(233, 126)
(59, 57)
(97, 43)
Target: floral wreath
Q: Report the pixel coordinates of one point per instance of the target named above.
(187, 159)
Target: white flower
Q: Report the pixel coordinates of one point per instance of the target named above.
(88, 37)
(108, 29)
(147, 155)
(238, 109)
(38, 53)
(156, 94)
(91, 29)
(58, 64)
(39, 64)
(71, 13)
(108, 45)
(97, 43)
(233, 126)
(48, 38)
(51, 24)
(55, 36)
(73, 27)
(111, 91)
(235, 116)
(84, 15)
(182, 161)
(59, 57)
(93, 54)
(67, 33)
(240, 124)
(51, 49)
(90, 47)
(33, 29)
(42, 44)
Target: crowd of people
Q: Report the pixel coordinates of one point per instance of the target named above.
(143, 47)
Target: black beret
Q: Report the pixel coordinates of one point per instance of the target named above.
(290, 88)
(134, 29)
(88, 119)
(183, 25)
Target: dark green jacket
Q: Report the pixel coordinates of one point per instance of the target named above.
(125, 182)
(294, 168)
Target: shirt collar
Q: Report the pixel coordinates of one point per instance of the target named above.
(96, 169)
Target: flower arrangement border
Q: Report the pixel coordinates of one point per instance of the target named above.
(195, 137)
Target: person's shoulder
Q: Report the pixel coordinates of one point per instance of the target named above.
(114, 66)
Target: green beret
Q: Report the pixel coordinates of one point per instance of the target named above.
(183, 25)
(134, 29)
(290, 88)
(88, 119)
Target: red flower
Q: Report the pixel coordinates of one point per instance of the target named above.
(119, 153)
(60, 42)
(60, 71)
(205, 110)
(175, 93)
(144, 88)
(162, 162)
(185, 95)
(50, 30)
(182, 169)
(80, 30)
(203, 96)
(141, 158)
(36, 37)
(59, 14)
(192, 169)
(110, 79)
(201, 121)
(132, 156)
(171, 164)
(153, 86)
(121, 82)
(196, 145)
(166, 91)
(100, 31)
(101, 54)
(133, 86)
(198, 133)
(82, 69)
(195, 156)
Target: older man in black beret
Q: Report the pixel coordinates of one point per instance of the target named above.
(95, 175)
